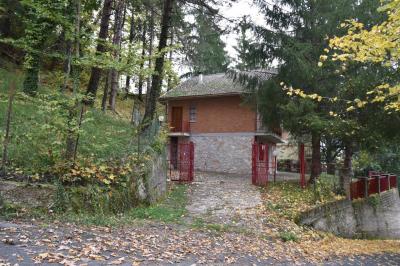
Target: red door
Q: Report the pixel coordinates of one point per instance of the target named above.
(176, 122)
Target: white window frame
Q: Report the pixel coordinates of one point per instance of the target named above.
(192, 113)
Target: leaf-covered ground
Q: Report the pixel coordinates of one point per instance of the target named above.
(226, 228)
(284, 201)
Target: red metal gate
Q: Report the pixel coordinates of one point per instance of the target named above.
(262, 164)
(185, 163)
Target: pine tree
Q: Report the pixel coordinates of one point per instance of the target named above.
(295, 37)
(244, 60)
(209, 55)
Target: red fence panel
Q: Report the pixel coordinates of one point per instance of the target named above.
(393, 181)
(373, 184)
(184, 163)
(254, 172)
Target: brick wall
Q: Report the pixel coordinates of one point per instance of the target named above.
(217, 114)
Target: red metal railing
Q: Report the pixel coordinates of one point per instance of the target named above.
(184, 126)
(373, 184)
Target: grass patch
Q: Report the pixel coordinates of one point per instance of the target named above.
(200, 223)
(171, 210)
(288, 199)
(286, 236)
(9, 211)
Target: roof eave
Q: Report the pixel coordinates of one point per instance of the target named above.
(167, 98)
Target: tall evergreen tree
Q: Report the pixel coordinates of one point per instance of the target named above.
(209, 55)
(245, 60)
(295, 37)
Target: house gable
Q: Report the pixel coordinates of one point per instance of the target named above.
(222, 114)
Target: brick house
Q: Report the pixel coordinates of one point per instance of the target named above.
(209, 111)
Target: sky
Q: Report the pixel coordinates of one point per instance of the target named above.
(236, 12)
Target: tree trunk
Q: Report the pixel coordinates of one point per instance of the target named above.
(150, 51)
(330, 168)
(131, 38)
(72, 112)
(105, 91)
(67, 65)
(119, 24)
(169, 86)
(93, 85)
(157, 77)
(6, 141)
(330, 162)
(347, 171)
(316, 157)
(140, 83)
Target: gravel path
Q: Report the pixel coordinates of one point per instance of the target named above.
(227, 200)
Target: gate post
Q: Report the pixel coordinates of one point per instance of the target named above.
(267, 162)
(191, 158)
(254, 163)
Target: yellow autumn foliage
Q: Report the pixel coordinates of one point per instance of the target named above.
(380, 44)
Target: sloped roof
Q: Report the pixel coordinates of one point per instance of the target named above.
(212, 85)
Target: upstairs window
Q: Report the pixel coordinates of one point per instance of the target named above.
(192, 113)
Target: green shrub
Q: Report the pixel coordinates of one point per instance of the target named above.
(325, 188)
(61, 200)
(287, 236)
(96, 199)
(9, 210)
(172, 209)
(39, 127)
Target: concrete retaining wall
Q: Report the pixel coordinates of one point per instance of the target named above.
(376, 217)
(225, 153)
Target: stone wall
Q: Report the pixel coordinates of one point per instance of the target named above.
(377, 217)
(154, 186)
(224, 153)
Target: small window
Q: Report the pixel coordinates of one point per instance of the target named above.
(192, 113)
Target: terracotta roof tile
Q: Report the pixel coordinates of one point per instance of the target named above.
(216, 84)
